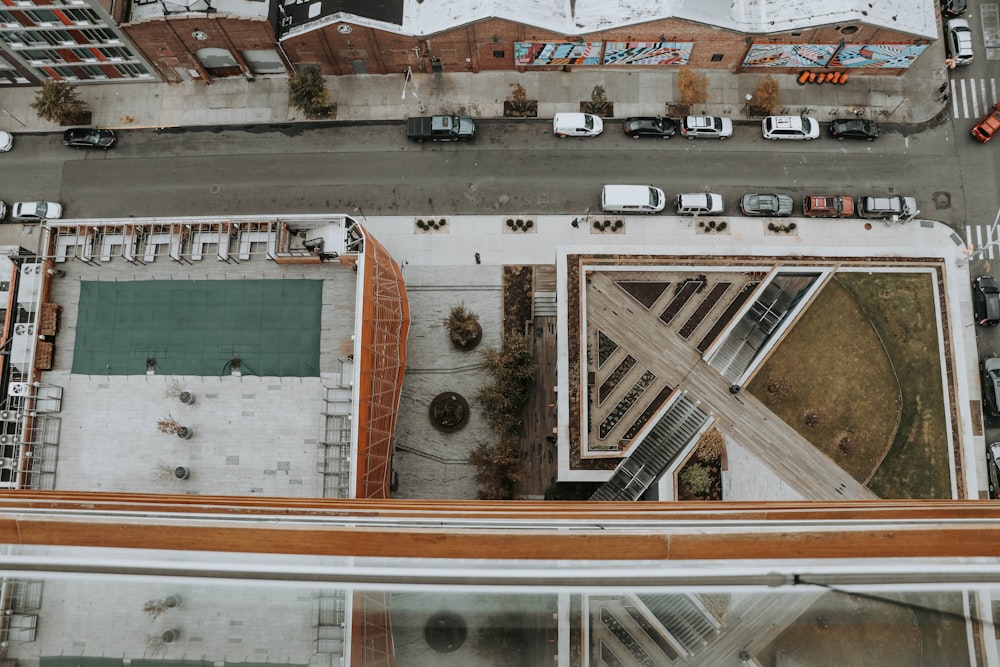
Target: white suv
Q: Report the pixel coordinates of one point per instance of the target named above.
(959, 41)
(699, 203)
(790, 127)
(706, 127)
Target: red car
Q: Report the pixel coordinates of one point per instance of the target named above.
(989, 126)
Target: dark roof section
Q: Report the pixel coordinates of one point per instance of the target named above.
(294, 14)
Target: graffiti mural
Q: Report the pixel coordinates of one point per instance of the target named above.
(557, 53)
(789, 55)
(877, 56)
(647, 53)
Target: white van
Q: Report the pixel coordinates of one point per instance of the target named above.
(632, 199)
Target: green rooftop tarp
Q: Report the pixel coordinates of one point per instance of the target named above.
(197, 327)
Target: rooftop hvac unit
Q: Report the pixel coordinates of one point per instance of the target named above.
(18, 389)
(24, 329)
(8, 415)
(31, 270)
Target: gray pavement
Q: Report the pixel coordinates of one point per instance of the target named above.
(911, 98)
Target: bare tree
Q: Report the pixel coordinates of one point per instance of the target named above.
(59, 102)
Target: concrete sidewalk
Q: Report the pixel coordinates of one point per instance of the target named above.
(908, 99)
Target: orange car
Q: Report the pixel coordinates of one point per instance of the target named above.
(989, 126)
(819, 206)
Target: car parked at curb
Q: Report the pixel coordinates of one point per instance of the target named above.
(990, 369)
(954, 7)
(958, 39)
(699, 203)
(988, 127)
(804, 128)
(3, 211)
(992, 471)
(854, 128)
(6, 141)
(892, 207)
(35, 211)
(576, 125)
(828, 206)
(986, 300)
(88, 137)
(650, 126)
(706, 127)
(770, 205)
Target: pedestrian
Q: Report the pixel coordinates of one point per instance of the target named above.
(478, 260)
(575, 223)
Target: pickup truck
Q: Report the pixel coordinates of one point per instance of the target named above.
(440, 128)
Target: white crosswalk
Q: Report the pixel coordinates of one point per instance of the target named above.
(979, 237)
(971, 98)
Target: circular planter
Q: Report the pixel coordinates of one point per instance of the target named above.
(473, 342)
(172, 601)
(187, 398)
(449, 412)
(445, 632)
(182, 472)
(184, 432)
(170, 636)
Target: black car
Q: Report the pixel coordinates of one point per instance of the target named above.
(954, 7)
(853, 128)
(986, 300)
(649, 126)
(88, 137)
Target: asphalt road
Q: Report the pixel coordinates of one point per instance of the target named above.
(511, 167)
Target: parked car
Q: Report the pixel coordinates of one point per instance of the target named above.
(987, 128)
(992, 472)
(990, 368)
(854, 128)
(576, 125)
(894, 207)
(6, 141)
(768, 204)
(958, 39)
(632, 199)
(440, 128)
(706, 127)
(827, 206)
(35, 211)
(954, 7)
(986, 300)
(88, 137)
(699, 203)
(790, 127)
(3, 211)
(650, 126)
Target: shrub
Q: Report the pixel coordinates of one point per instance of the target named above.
(693, 87)
(59, 102)
(307, 92)
(498, 468)
(512, 370)
(767, 97)
(697, 479)
(711, 446)
(462, 325)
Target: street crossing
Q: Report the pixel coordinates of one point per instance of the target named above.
(979, 237)
(972, 97)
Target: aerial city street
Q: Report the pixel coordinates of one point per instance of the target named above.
(519, 333)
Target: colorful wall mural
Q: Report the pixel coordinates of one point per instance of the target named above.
(647, 53)
(557, 53)
(789, 55)
(877, 55)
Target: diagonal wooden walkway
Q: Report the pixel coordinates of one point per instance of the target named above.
(676, 363)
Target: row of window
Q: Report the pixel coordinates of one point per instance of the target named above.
(90, 72)
(43, 17)
(22, 38)
(44, 56)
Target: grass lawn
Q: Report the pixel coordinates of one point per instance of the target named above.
(831, 380)
(859, 376)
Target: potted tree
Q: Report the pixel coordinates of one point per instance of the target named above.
(170, 426)
(175, 390)
(153, 608)
(463, 327)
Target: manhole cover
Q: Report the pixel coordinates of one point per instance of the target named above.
(942, 200)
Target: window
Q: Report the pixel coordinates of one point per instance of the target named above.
(849, 29)
(498, 53)
(42, 16)
(716, 57)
